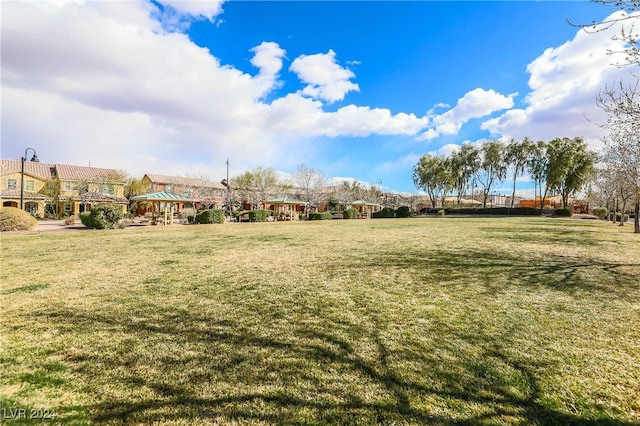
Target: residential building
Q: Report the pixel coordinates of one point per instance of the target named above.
(59, 188)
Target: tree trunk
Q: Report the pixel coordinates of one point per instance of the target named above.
(636, 217)
(624, 208)
(513, 193)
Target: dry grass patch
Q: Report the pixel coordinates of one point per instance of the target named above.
(468, 320)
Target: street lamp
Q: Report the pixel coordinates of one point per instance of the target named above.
(23, 159)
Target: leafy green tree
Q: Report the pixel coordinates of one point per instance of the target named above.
(52, 189)
(571, 164)
(493, 167)
(133, 187)
(433, 175)
(464, 164)
(538, 167)
(517, 155)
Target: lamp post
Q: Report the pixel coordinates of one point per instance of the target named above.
(23, 159)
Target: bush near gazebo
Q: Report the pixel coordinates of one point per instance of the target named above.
(386, 212)
(259, 215)
(102, 216)
(14, 219)
(210, 216)
(320, 216)
(350, 213)
(403, 211)
(601, 212)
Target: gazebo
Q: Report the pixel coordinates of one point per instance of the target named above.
(365, 208)
(285, 207)
(162, 203)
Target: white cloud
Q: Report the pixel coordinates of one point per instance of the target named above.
(208, 9)
(268, 57)
(474, 104)
(105, 82)
(325, 79)
(564, 83)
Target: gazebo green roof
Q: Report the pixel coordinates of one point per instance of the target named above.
(285, 200)
(160, 196)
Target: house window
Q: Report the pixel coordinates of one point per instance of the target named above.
(67, 207)
(108, 189)
(29, 185)
(12, 183)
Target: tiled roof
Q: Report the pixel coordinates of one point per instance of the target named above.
(89, 174)
(46, 171)
(15, 193)
(184, 181)
(42, 171)
(97, 196)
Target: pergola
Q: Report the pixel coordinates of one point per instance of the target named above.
(162, 203)
(284, 206)
(365, 208)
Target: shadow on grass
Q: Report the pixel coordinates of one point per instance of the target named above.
(493, 268)
(324, 371)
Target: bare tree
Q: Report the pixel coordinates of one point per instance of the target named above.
(622, 158)
(309, 182)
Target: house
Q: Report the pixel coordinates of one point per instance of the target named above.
(59, 188)
(203, 193)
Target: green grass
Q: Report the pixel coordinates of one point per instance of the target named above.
(413, 321)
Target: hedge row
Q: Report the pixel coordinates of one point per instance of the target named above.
(320, 216)
(386, 212)
(498, 211)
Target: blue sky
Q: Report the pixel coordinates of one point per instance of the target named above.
(356, 89)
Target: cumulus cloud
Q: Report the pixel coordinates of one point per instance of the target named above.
(474, 104)
(208, 9)
(106, 82)
(564, 83)
(177, 15)
(325, 78)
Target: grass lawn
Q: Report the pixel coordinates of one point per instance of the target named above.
(407, 321)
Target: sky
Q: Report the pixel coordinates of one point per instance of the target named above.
(357, 90)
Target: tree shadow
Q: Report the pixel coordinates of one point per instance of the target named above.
(567, 274)
(330, 371)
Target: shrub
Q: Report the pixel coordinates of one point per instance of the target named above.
(618, 214)
(601, 212)
(102, 216)
(386, 212)
(562, 212)
(258, 215)
(190, 218)
(441, 212)
(403, 211)
(209, 216)
(14, 219)
(320, 216)
(350, 213)
(85, 219)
